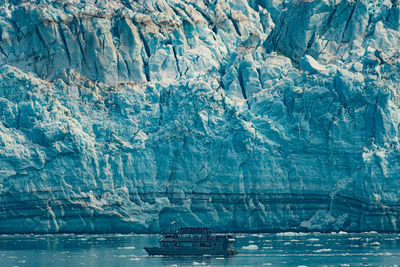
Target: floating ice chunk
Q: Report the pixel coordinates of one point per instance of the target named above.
(250, 247)
(199, 263)
(126, 247)
(258, 235)
(291, 234)
(323, 250)
(375, 244)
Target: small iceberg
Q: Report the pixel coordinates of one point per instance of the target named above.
(323, 250)
(250, 247)
(355, 238)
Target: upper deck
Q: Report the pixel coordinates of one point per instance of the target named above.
(190, 230)
(195, 234)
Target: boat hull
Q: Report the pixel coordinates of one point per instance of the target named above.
(152, 251)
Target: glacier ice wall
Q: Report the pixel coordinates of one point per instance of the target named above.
(243, 115)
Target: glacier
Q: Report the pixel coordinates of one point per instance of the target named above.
(242, 115)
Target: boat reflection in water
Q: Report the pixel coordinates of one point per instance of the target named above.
(193, 241)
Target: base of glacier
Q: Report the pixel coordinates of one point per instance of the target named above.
(222, 212)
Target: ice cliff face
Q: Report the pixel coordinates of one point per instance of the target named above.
(243, 115)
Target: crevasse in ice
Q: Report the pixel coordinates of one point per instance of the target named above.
(242, 115)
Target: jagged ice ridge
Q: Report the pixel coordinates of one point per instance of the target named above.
(243, 115)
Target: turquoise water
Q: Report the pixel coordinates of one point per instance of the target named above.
(282, 249)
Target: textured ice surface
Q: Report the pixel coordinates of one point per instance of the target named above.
(121, 116)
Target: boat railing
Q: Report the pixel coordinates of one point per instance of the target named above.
(183, 238)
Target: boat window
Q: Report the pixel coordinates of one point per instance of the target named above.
(186, 244)
(205, 244)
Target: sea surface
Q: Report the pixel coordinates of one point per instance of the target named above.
(281, 249)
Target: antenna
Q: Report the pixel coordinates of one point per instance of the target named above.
(172, 224)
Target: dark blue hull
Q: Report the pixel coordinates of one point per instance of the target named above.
(152, 251)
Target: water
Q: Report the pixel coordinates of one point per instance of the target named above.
(283, 249)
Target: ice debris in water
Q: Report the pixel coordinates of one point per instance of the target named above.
(250, 247)
(323, 250)
(291, 234)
